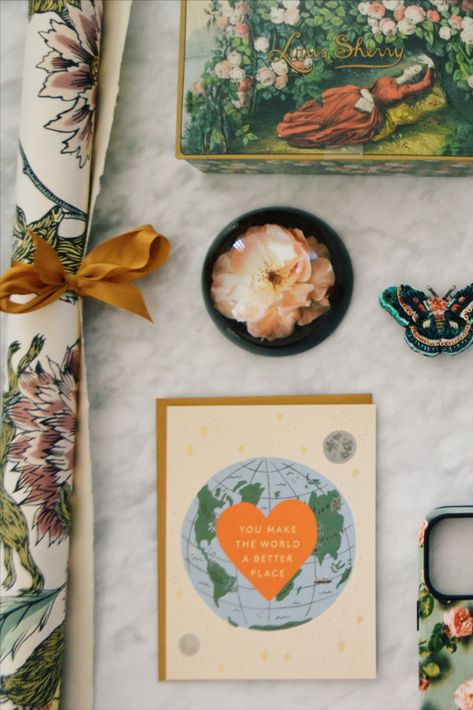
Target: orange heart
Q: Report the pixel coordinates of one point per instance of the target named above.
(268, 551)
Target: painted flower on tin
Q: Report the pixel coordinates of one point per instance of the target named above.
(423, 684)
(72, 68)
(464, 696)
(459, 622)
(273, 279)
(423, 527)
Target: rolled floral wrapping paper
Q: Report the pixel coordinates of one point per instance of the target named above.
(40, 397)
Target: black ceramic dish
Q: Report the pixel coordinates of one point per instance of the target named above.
(306, 336)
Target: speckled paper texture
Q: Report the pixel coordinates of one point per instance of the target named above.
(195, 442)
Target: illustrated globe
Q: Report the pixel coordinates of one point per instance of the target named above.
(265, 482)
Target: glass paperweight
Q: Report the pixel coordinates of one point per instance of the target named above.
(277, 281)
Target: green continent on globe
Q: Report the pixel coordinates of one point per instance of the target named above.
(288, 625)
(205, 531)
(205, 521)
(329, 524)
(312, 588)
(344, 577)
(250, 492)
(287, 589)
(222, 582)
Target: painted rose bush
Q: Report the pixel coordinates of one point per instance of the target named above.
(273, 279)
(240, 80)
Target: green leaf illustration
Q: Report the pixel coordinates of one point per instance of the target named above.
(35, 683)
(437, 639)
(58, 6)
(431, 670)
(69, 249)
(426, 605)
(21, 616)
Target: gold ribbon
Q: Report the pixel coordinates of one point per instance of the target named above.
(105, 273)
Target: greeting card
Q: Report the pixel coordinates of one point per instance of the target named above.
(266, 524)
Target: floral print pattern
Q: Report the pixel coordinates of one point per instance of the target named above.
(39, 398)
(445, 639)
(464, 696)
(72, 72)
(44, 417)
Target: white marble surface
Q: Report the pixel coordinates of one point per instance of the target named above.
(415, 230)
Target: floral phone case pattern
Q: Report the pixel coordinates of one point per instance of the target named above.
(445, 633)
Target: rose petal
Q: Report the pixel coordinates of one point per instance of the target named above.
(315, 310)
(274, 325)
(297, 297)
(322, 277)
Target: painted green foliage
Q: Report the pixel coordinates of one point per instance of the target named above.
(59, 6)
(35, 683)
(21, 616)
(242, 88)
(68, 249)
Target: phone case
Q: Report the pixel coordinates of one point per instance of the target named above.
(445, 626)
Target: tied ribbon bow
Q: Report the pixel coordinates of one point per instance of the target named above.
(105, 273)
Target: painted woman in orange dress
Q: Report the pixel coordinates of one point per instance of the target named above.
(351, 114)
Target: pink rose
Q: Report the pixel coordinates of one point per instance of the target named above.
(422, 529)
(266, 76)
(467, 5)
(459, 622)
(292, 16)
(298, 65)
(222, 22)
(242, 30)
(433, 15)
(245, 84)
(456, 22)
(464, 696)
(281, 81)
(273, 279)
(414, 14)
(423, 684)
(198, 87)
(388, 27)
(376, 10)
(223, 69)
(399, 13)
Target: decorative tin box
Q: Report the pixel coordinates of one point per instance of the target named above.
(327, 86)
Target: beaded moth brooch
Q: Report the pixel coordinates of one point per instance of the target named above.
(433, 324)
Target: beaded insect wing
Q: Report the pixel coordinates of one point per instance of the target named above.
(433, 324)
